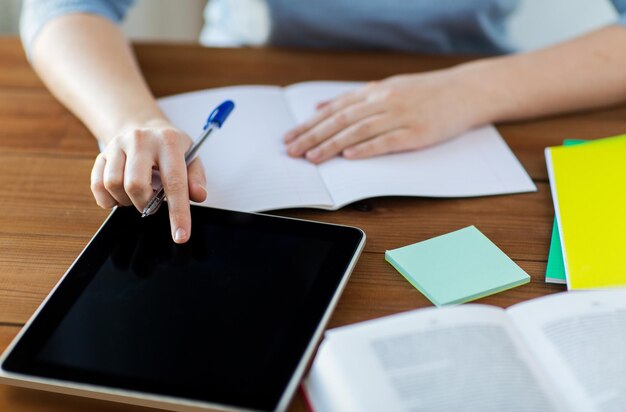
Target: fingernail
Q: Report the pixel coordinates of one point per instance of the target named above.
(180, 235)
(288, 136)
(349, 152)
(204, 190)
(313, 154)
(293, 150)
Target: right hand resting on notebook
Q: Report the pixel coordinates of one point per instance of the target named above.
(122, 173)
(403, 112)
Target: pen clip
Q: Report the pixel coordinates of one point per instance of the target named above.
(219, 114)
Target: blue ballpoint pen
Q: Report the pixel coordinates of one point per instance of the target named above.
(215, 120)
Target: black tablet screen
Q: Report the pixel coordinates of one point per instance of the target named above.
(224, 318)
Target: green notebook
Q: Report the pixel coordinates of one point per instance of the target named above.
(555, 269)
(457, 267)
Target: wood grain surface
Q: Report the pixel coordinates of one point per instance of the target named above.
(47, 213)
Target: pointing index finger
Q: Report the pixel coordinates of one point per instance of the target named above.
(174, 178)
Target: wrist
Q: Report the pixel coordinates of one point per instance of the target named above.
(157, 121)
(485, 91)
(147, 121)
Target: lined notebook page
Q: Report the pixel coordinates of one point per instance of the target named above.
(246, 164)
(477, 163)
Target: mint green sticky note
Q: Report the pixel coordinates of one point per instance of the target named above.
(555, 269)
(457, 267)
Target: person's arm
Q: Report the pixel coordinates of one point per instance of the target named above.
(88, 65)
(413, 111)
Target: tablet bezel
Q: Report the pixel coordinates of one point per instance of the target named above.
(142, 398)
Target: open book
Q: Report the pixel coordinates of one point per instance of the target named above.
(248, 169)
(561, 352)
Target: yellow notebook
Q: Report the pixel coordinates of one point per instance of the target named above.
(588, 185)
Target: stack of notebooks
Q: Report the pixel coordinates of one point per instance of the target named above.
(588, 183)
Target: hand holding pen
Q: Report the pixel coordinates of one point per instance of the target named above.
(214, 121)
(122, 173)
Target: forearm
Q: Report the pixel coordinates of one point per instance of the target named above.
(583, 73)
(88, 65)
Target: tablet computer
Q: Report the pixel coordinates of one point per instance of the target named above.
(226, 321)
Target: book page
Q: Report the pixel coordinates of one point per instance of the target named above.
(246, 164)
(460, 358)
(477, 163)
(580, 340)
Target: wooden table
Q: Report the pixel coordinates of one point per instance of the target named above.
(47, 213)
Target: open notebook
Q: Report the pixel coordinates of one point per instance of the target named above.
(248, 169)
